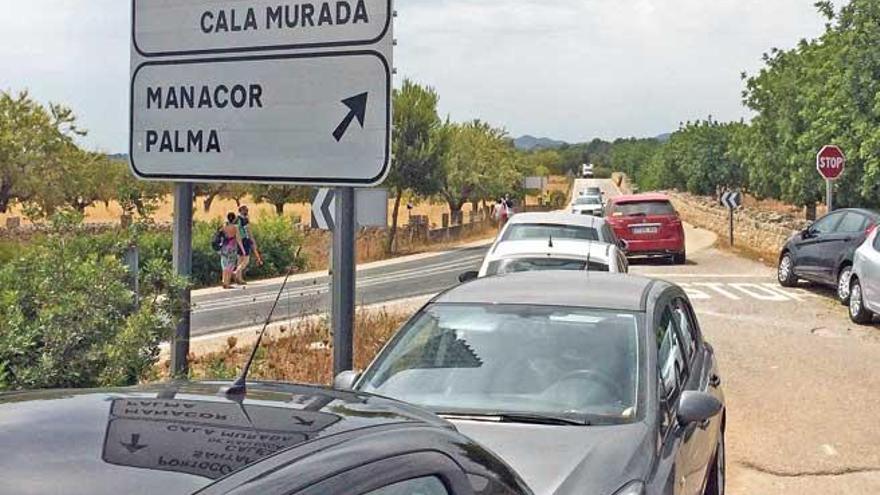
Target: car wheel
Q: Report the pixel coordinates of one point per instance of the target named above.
(785, 272)
(843, 284)
(679, 259)
(857, 310)
(718, 476)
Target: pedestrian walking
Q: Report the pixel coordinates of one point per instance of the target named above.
(248, 245)
(230, 245)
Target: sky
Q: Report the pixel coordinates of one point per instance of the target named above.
(565, 69)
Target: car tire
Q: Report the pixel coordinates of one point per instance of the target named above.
(844, 281)
(679, 259)
(858, 313)
(785, 271)
(718, 475)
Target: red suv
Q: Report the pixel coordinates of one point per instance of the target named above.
(649, 224)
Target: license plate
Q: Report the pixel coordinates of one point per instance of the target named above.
(645, 230)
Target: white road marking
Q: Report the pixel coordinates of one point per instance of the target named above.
(761, 293)
(719, 288)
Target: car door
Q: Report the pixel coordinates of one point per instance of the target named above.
(419, 473)
(679, 443)
(846, 238)
(809, 247)
(871, 274)
(701, 379)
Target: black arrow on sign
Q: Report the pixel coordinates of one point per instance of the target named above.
(357, 106)
(135, 444)
(301, 421)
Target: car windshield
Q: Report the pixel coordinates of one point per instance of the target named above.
(646, 208)
(502, 359)
(513, 265)
(588, 200)
(532, 231)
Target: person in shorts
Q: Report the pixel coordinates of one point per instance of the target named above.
(248, 245)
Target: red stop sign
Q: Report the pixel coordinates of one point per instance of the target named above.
(830, 162)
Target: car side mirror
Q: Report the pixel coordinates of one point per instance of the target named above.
(468, 276)
(807, 233)
(623, 245)
(346, 380)
(697, 407)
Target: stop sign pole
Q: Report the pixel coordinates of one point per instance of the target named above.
(830, 162)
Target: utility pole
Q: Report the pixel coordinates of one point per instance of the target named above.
(182, 260)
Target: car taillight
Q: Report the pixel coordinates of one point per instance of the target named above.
(870, 229)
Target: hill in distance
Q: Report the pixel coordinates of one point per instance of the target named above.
(529, 143)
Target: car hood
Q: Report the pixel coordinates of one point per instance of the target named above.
(563, 460)
(170, 439)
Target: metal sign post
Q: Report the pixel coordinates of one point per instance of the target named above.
(182, 260)
(829, 194)
(343, 281)
(732, 200)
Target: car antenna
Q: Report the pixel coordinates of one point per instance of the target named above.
(239, 386)
(551, 241)
(589, 254)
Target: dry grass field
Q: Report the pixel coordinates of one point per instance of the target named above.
(304, 355)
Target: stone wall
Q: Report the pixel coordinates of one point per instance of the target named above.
(761, 232)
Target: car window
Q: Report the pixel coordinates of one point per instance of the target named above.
(429, 485)
(670, 355)
(515, 265)
(588, 200)
(687, 325)
(877, 241)
(852, 223)
(826, 224)
(642, 208)
(491, 359)
(532, 231)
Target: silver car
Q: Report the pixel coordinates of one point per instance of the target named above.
(864, 301)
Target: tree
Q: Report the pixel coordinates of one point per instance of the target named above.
(135, 197)
(479, 164)
(31, 138)
(418, 147)
(71, 179)
(278, 196)
(209, 192)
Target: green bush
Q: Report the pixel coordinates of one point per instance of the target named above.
(69, 319)
(8, 251)
(276, 237)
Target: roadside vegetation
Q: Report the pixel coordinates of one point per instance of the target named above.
(303, 355)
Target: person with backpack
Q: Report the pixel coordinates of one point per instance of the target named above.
(248, 245)
(227, 242)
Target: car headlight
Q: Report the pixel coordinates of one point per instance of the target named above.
(633, 488)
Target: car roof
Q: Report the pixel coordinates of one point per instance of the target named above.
(635, 198)
(597, 290)
(146, 439)
(557, 218)
(561, 247)
(865, 211)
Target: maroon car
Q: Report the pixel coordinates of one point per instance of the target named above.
(649, 224)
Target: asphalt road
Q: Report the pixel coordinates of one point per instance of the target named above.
(801, 380)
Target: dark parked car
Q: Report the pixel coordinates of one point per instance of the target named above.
(598, 384)
(823, 253)
(281, 439)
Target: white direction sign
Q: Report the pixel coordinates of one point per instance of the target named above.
(181, 27)
(371, 208)
(320, 118)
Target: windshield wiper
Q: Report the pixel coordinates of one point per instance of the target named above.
(529, 418)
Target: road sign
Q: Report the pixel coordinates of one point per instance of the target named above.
(371, 208)
(323, 207)
(312, 119)
(732, 199)
(174, 28)
(830, 162)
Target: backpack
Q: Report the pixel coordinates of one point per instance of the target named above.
(218, 240)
